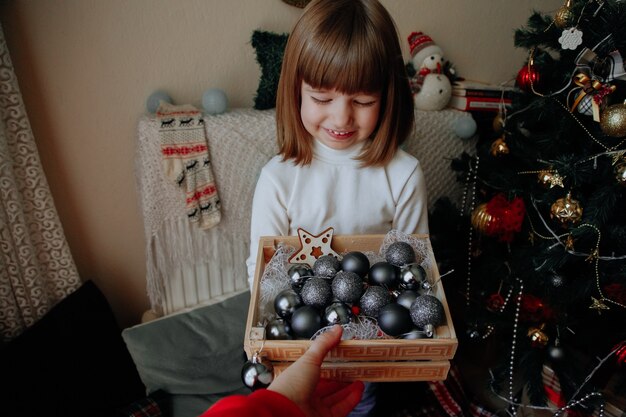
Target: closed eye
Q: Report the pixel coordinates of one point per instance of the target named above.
(365, 103)
(320, 100)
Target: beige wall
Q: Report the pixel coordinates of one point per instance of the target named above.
(86, 67)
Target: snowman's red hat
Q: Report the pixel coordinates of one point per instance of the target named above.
(422, 46)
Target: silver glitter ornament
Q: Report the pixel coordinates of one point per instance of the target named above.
(348, 287)
(385, 274)
(355, 262)
(326, 266)
(427, 309)
(394, 319)
(286, 302)
(412, 276)
(305, 322)
(298, 274)
(400, 254)
(374, 299)
(337, 313)
(317, 292)
(256, 374)
(278, 329)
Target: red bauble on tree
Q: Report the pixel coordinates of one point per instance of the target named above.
(528, 78)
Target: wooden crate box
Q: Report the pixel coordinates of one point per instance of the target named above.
(365, 360)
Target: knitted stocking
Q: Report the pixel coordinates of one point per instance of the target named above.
(185, 153)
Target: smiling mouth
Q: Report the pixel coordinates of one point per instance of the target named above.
(340, 133)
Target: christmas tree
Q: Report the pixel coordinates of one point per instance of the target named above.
(539, 248)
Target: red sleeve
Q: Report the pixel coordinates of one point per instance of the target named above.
(261, 403)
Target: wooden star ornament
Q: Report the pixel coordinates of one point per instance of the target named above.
(313, 246)
(598, 305)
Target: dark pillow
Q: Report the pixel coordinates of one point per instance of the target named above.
(269, 48)
(72, 362)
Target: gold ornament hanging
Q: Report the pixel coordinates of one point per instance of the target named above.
(620, 172)
(499, 147)
(566, 210)
(549, 178)
(537, 336)
(613, 120)
(564, 16)
(481, 220)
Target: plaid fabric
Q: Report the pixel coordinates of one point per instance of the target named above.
(154, 405)
(437, 399)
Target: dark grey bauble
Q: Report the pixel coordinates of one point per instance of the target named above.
(326, 266)
(400, 254)
(298, 274)
(406, 298)
(256, 374)
(394, 320)
(373, 300)
(286, 302)
(316, 292)
(305, 322)
(427, 309)
(412, 276)
(415, 333)
(348, 287)
(355, 262)
(385, 274)
(278, 329)
(337, 313)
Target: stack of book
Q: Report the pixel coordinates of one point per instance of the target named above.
(478, 96)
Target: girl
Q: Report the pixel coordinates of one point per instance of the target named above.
(344, 107)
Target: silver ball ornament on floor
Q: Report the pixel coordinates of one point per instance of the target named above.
(400, 254)
(348, 287)
(373, 300)
(326, 266)
(355, 262)
(427, 310)
(317, 292)
(256, 374)
(286, 302)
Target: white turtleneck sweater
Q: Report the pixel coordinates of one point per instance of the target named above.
(333, 191)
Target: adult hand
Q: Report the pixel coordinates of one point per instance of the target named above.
(301, 383)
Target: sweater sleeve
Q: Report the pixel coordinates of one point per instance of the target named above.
(412, 205)
(269, 215)
(261, 403)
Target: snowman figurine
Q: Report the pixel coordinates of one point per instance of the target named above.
(432, 88)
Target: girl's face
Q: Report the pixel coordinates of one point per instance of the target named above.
(336, 119)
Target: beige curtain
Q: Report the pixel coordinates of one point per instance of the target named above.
(36, 267)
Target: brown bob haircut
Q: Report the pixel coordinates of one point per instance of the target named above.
(351, 46)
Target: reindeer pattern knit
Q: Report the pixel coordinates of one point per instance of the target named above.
(186, 160)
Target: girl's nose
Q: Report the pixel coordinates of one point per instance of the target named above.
(342, 115)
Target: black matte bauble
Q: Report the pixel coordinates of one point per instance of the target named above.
(385, 274)
(326, 266)
(256, 374)
(348, 287)
(316, 292)
(337, 313)
(286, 302)
(355, 262)
(400, 254)
(278, 329)
(373, 300)
(414, 333)
(305, 322)
(427, 310)
(406, 298)
(298, 274)
(394, 319)
(412, 276)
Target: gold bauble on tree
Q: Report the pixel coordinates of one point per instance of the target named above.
(566, 210)
(564, 16)
(499, 147)
(537, 336)
(481, 219)
(613, 120)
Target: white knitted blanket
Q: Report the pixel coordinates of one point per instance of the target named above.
(187, 266)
